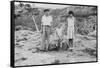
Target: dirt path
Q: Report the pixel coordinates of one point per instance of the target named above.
(54, 57)
(25, 51)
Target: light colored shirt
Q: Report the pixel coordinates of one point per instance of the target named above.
(46, 20)
(70, 30)
(71, 22)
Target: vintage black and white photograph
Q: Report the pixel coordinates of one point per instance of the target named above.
(50, 34)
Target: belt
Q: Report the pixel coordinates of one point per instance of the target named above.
(46, 25)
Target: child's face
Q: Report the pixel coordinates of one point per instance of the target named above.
(70, 15)
(46, 13)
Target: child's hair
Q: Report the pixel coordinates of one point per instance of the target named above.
(46, 10)
(71, 12)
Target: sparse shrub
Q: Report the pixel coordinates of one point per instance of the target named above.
(90, 51)
(56, 62)
(18, 28)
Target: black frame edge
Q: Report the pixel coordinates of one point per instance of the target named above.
(12, 33)
(97, 37)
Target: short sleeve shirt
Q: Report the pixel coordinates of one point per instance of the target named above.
(46, 20)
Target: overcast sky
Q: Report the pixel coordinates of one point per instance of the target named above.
(52, 6)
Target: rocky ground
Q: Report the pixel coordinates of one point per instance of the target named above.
(27, 44)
